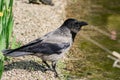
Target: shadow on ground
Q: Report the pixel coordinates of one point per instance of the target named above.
(26, 65)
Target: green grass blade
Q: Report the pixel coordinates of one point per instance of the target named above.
(1, 5)
(11, 3)
(1, 64)
(9, 30)
(0, 26)
(2, 41)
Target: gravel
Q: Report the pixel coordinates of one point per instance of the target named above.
(32, 21)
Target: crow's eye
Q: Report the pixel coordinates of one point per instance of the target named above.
(77, 24)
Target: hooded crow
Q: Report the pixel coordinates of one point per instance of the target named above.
(52, 46)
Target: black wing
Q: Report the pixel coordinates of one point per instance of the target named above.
(25, 46)
(46, 48)
(40, 47)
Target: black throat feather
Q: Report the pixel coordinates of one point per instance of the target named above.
(73, 35)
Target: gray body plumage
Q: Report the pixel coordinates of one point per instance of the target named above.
(62, 38)
(52, 46)
(58, 39)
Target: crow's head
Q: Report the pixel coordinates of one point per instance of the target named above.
(74, 25)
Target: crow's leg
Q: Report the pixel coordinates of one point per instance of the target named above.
(54, 68)
(46, 64)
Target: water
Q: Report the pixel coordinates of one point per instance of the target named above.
(98, 41)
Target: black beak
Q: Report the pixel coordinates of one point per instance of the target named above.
(82, 23)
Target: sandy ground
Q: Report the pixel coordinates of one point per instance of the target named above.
(31, 21)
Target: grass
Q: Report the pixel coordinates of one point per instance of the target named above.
(6, 25)
(1, 64)
(93, 62)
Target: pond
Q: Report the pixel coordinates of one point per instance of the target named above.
(103, 17)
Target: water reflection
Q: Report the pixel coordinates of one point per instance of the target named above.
(104, 15)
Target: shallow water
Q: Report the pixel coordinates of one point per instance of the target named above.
(104, 17)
